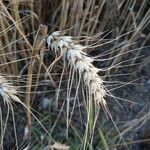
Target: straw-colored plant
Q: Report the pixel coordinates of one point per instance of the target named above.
(80, 64)
(8, 94)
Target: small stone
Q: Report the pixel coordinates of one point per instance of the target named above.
(46, 101)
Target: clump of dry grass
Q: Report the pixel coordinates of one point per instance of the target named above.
(19, 47)
(81, 69)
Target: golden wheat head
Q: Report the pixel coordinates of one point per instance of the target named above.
(73, 53)
(7, 91)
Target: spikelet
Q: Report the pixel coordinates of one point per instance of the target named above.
(59, 146)
(76, 57)
(7, 91)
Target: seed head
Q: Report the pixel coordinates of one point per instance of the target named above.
(74, 54)
(7, 90)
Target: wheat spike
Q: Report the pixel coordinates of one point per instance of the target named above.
(73, 52)
(7, 91)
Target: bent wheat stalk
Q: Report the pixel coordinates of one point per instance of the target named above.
(73, 53)
(75, 56)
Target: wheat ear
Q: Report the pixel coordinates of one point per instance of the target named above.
(8, 91)
(73, 53)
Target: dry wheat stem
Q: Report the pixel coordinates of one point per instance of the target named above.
(73, 53)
